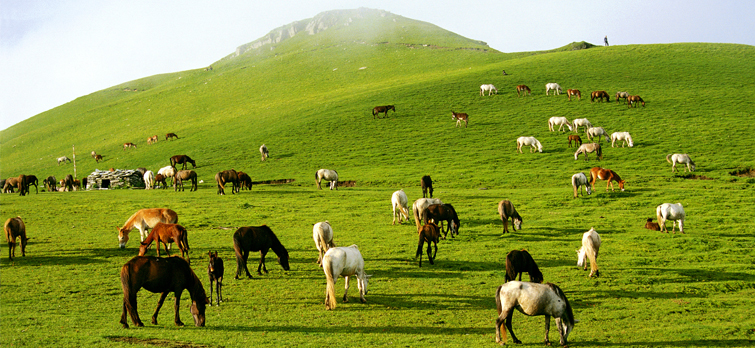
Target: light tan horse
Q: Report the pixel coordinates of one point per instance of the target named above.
(143, 220)
(588, 148)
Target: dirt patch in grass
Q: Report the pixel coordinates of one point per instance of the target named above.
(696, 177)
(155, 342)
(348, 183)
(273, 182)
(745, 173)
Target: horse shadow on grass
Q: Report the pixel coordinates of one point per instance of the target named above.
(73, 257)
(680, 343)
(351, 329)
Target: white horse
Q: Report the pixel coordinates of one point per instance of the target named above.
(149, 180)
(552, 86)
(533, 299)
(400, 204)
(64, 159)
(528, 141)
(593, 132)
(488, 88)
(327, 175)
(681, 159)
(347, 262)
(623, 137)
(581, 122)
(577, 181)
(589, 148)
(322, 233)
(168, 172)
(673, 212)
(418, 208)
(560, 121)
(589, 250)
(263, 151)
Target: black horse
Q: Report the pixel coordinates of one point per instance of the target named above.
(444, 212)
(182, 159)
(215, 271)
(257, 238)
(427, 184)
(519, 261)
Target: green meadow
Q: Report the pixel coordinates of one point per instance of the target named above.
(309, 99)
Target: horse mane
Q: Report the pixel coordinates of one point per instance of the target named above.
(197, 289)
(534, 272)
(615, 176)
(276, 244)
(568, 315)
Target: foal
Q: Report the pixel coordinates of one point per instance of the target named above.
(429, 233)
(215, 271)
(167, 233)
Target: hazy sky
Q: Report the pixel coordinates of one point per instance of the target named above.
(54, 51)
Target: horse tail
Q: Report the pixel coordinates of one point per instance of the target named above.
(592, 255)
(239, 253)
(599, 150)
(416, 216)
(574, 185)
(498, 303)
(659, 216)
(325, 245)
(667, 158)
(330, 288)
(129, 298)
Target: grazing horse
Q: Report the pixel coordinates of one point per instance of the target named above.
(145, 219)
(528, 141)
(384, 109)
(488, 88)
(444, 212)
(680, 159)
(634, 99)
(593, 132)
(621, 95)
(576, 139)
(227, 176)
(581, 122)
(149, 180)
(93, 154)
(607, 175)
(9, 184)
(506, 210)
(400, 204)
(673, 212)
(31, 180)
(171, 135)
(264, 152)
(427, 185)
(167, 234)
(347, 262)
(322, 233)
(328, 175)
(215, 270)
(533, 299)
(64, 159)
(178, 180)
(50, 183)
(589, 250)
(459, 117)
(588, 148)
(653, 226)
(523, 89)
(577, 181)
(418, 208)
(600, 95)
(15, 228)
(245, 181)
(574, 92)
(182, 159)
(163, 275)
(167, 172)
(257, 238)
(160, 179)
(68, 183)
(429, 233)
(152, 139)
(555, 87)
(98, 158)
(127, 145)
(560, 121)
(623, 137)
(520, 261)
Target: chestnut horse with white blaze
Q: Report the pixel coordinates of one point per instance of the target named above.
(145, 219)
(634, 99)
(459, 117)
(605, 174)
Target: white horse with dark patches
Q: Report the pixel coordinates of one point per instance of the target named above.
(593, 132)
(488, 88)
(346, 262)
(63, 159)
(679, 158)
(580, 122)
(673, 212)
(418, 208)
(558, 121)
(555, 87)
(528, 141)
(322, 233)
(168, 172)
(577, 181)
(149, 180)
(327, 175)
(400, 204)
(623, 137)
(589, 250)
(263, 152)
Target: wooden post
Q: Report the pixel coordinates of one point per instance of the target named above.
(74, 163)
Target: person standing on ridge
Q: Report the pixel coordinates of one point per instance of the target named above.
(605, 40)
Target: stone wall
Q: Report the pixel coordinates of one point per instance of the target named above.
(120, 178)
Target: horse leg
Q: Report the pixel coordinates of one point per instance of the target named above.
(429, 252)
(346, 292)
(547, 329)
(210, 298)
(419, 249)
(159, 305)
(262, 262)
(178, 307)
(509, 315)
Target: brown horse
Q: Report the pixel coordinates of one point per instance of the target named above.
(163, 275)
(634, 99)
(520, 261)
(653, 226)
(459, 117)
(574, 92)
(167, 234)
(5, 189)
(427, 184)
(160, 179)
(171, 135)
(152, 139)
(50, 183)
(257, 238)
(227, 176)
(576, 140)
(605, 174)
(15, 228)
(444, 212)
(245, 181)
(524, 89)
(506, 210)
(181, 175)
(127, 145)
(429, 233)
(384, 109)
(182, 159)
(98, 158)
(215, 272)
(599, 95)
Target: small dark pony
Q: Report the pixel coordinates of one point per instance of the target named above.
(160, 179)
(227, 176)
(653, 226)
(574, 92)
(68, 183)
(599, 95)
(167, 233)
(524, 89)
(51, 183)
(245, 181)
(576, 139)
(215, 271)
(429, 233)
(634, 99)
(182, 175)
(257, 238)
(182, 159)
(31, 180)
(163, 275)
(520, 261)
(384, 109)
(444, 212)
(98, 158)
(427, 184)
(15, 228)
(171, 135)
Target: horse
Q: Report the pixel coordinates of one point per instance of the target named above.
(384, 109)
(680, 159)
(506, 210)
(167, 234)
(650, 225)
(581, 122)
(264, 152)
(607, 175)
(576, 139)
(418, 208)
(68, 183)
(167, 172)
(589, 250)
(621, 95)
(64, 159)
(245, 181)
(9, 184)
(444, 212)
(623, 137)
(178, 180)
(533, 299)
(93, 153)
(164, 275)
(560, 121)
(31, 180)
(459, 117)
(593, 132)
(553, 86)
(160, 179)
(215, 272)
(427, 185)
(182, 159)
(520, 261)
(50, 183)
(574, 92)
(15, 228)
(127, 145)
(149, 180)
(98, 158)
(634, 99)
(171, 135)
(152, 139)
(400, 204)
(588, 148)
(600, 95)
(488, 88)
(257, 238)
(322, 233)
(524, 89)
(528, 141)
(577, 181)
(226, 176)
(76, 184)
(328, 175)
(429, 233)
(145, 219)
(346, 262)
(673, 212)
